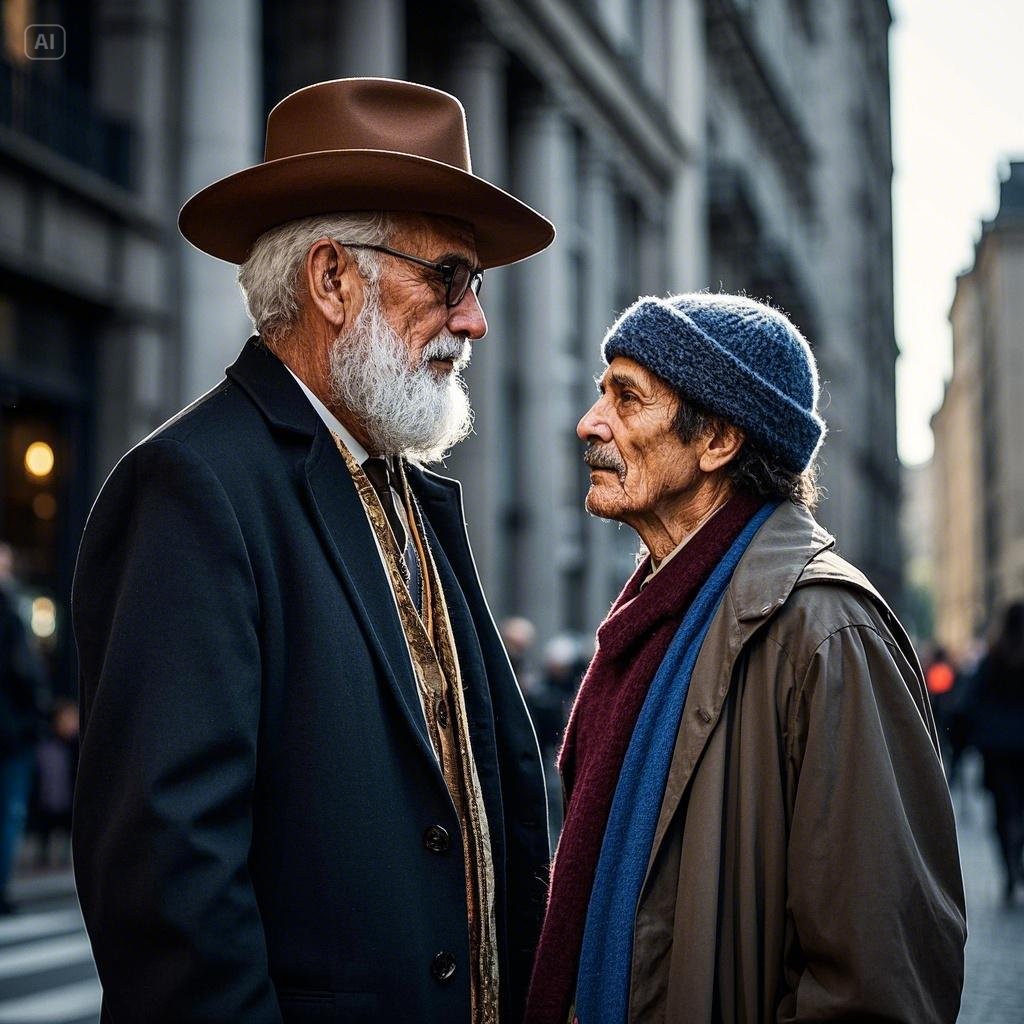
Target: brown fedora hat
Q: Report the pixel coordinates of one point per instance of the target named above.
(363, 144)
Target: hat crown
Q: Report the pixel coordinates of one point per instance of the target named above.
(734, 356)
(759, 336)
(370, 114)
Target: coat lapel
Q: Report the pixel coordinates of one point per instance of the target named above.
(476, 692)
(337, 512)
(348, 537)
(441, 504)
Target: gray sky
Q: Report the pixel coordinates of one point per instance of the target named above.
(958, 116)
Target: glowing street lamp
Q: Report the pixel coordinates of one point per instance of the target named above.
(39, 459)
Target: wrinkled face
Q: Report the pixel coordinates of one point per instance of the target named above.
(413, 296)
(639, 467)
(398, 368)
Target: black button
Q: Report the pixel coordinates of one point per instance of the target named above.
(436, 840)
(442, 712)
(442, 967)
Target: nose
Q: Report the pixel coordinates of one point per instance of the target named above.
(593, 427)
(467, 320)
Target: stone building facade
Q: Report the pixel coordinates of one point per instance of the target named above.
(799, 206)
(979, 433)
(676, 144)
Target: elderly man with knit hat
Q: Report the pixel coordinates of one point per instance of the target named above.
(757, 826)
(309, 787)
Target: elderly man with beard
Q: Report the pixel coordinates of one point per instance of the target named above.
(309, 788)
(757, 825)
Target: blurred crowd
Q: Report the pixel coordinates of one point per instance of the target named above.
(38, 744)
(549, 678)
(979, 703)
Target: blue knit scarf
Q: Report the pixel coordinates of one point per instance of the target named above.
(602, 985)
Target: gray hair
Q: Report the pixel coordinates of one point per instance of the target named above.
(270, 276)
(753, 471)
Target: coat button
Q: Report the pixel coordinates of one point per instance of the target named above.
(443, 967)
(442, 712)
(436, 840)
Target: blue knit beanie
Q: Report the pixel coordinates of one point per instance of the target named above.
(735, 357)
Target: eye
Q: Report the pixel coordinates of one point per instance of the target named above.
(627, 396)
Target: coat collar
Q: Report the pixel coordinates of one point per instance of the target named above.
(771, 566)
(263, 377)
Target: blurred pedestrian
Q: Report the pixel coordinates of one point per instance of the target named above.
(56, 767)
(309, 788)
(551, 691)
(940, 677)
(757, 826)
(23, 704)
(997, 717)
(518, 634)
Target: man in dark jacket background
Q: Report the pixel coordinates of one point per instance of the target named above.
(309, 788)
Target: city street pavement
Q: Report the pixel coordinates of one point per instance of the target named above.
(46, 969)
(47, 974)
(994, 988)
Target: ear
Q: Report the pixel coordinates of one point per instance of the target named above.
(722, 444)
(334, 283)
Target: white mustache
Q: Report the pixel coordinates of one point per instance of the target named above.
(448, 348)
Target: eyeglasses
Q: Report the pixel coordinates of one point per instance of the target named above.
(457, 274)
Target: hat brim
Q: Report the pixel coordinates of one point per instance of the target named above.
(227, 217)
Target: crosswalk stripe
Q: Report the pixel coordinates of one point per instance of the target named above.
(57, 1006)
(32, 926)
(41, 956)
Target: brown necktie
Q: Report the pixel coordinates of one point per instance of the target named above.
(379, 474)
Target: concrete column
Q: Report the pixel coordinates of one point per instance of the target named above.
(481, 462)
(134, 59)
(371, 39)
(221, 132)
(544, 445)
(687, 235)
(600, 536)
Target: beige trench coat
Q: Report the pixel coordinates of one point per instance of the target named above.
(805, 864)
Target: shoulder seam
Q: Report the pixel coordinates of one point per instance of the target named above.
(839, 629)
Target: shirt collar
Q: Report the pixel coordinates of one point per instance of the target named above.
(332, 422)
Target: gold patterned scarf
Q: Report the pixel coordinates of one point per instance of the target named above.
(436, 665)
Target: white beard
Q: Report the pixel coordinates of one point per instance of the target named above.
(405, 410)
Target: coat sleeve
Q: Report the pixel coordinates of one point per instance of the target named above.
(165, 616)
(876, 894)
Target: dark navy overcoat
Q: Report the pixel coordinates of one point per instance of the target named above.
(262, 832)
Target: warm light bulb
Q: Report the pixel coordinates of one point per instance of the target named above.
(44, 617)
(39, 459)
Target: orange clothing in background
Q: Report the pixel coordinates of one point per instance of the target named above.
(939, 678)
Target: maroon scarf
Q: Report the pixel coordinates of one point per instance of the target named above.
(631, 644)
